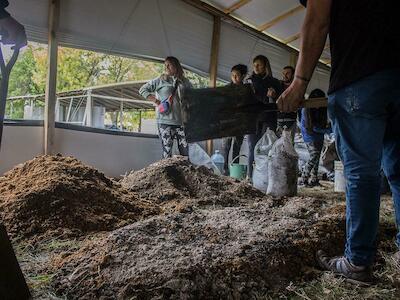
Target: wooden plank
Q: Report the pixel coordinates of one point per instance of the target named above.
(293, 60)
(51, 82)
(227, 111)
(248, 28)
(215, 52)
(214, 66)
(281, 17)
(292, 38)
(236, 6)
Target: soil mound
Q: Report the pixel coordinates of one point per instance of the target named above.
(177, 185)
(61, 195)
(230, 253)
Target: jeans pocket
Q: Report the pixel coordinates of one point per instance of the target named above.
(362, 102)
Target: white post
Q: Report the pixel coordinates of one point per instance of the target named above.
(57, 116)
(121, 116)
(69, 109)
(89, 109)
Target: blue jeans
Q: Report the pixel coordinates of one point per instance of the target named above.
(366, 121)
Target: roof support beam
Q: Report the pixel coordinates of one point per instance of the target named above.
(51, 82)
(214, 64)
(281, 17)
(236, 6)
(292, 38)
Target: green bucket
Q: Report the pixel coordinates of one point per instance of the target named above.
(237, 171)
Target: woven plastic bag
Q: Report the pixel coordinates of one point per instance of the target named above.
(282, 167)
(261, 151)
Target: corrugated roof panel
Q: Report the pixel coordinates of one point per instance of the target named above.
(258, 12)
(288, 27)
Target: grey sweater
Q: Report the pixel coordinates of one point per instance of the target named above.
(162, 87)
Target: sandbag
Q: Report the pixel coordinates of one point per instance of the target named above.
(282, 167)
(261, 151)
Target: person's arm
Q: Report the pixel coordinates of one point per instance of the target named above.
(148, 90)
(313, 36)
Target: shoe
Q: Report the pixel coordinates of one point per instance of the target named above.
(302, 181)
(313, 182)
(341, 266)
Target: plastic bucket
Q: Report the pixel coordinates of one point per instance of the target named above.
(237, 170)
(340, 182)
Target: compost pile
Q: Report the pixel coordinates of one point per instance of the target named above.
(56, 195)
(229, 253)
(178, 185)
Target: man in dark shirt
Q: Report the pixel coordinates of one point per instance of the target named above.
(364, 107)
(287, 120)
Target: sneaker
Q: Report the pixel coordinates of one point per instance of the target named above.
(341, 266)
(313, 182)
(302, 181)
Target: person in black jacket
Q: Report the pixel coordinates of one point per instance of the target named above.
(11, 31)
(266, 89)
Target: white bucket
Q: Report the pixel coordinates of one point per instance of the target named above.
(340, 182)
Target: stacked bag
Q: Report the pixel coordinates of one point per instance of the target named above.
(276, 165)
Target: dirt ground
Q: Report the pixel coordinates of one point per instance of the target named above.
(60, 196)
(202, 237)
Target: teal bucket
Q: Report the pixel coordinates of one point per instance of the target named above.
(237, 171)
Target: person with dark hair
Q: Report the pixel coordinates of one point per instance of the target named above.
(166, 92)
(238, 74)
(266, 89)
(287, 120)
(313, 124)
(12, 32)
(364, 109)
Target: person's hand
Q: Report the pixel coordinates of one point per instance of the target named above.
(271, 93)
(153, 99)
(292, 97)
(12, 33)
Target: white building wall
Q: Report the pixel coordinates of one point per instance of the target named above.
(19, 144)
(112, 154)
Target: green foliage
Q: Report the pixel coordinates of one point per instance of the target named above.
(78, 69)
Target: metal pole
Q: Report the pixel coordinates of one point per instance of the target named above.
(89, 109)
(121, 116)
(5, 75)
(140, 121)
(69, 109)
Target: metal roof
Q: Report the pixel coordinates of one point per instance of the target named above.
(155, 29)
(278, 19)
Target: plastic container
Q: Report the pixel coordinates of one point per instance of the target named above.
(218, 159)
(237, 170)
(340, 182)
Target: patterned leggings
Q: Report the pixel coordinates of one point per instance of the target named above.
(311, 167)
(167, 134)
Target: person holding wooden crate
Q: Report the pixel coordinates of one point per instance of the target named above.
(364, 108)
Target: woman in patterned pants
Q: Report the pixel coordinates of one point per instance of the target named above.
(166, 92)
